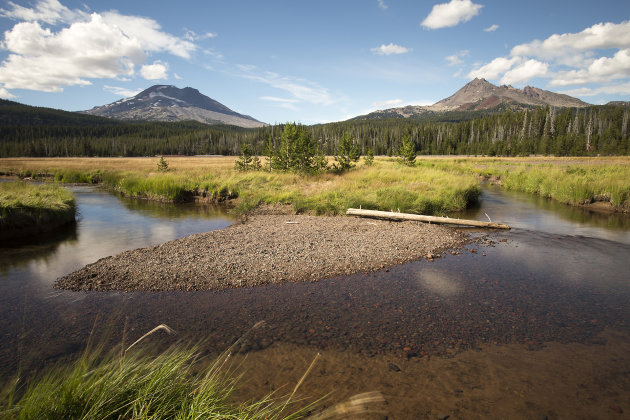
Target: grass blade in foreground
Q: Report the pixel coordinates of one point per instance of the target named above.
(137, 385)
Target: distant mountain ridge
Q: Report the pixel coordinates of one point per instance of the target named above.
(481, 95)
(170, 103)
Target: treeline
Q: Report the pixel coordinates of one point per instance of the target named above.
(597, 130)
(123, 139)
(547, 131)
(45, 132)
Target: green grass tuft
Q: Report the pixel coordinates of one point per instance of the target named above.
(25, 205)
(137, 385)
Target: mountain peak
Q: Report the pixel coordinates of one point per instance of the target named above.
(479, 94)
(170, 103)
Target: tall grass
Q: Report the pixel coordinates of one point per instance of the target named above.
(573, 184)
(138, 385)
(572, 181)
(26, 205)
(436, 185)
(386, 185)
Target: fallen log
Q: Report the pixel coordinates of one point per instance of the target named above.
(421, 218)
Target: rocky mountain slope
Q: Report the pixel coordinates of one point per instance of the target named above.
(481, 95)
(169, 103)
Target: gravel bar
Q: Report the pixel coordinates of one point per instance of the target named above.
(265, 249)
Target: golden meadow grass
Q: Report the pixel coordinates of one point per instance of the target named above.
(386, 185)
(436, 185)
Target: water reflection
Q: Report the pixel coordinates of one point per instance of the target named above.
(539, 214)
(440, 283)
(174, 211)
(19, 252)
(543, 281)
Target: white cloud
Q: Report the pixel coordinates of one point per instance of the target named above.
(600, 70)
(148, 33)
(445, 15)
(193, 36)
(276, 99)
(301, 89)
(157, 70)
(456, 58)
(390, 103)
(282, 102)
(212, 53)
(525, 71)
(491, 28)
(620, 89)
(47, 11)
(381, 4)
(177, 76)
(569, 59)
(599, 36)
(99, 45)
(493, 69)
(121, 91)
(5, 94)
(389, 49)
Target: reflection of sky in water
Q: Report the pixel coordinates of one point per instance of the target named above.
(550, 283)
(524, 211)
(441, 283)
(107, 227)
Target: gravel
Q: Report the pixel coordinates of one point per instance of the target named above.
(265, 249)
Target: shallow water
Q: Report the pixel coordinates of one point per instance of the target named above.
(559, 276)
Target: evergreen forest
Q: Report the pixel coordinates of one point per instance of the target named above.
(597, 130)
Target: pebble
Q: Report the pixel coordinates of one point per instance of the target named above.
(393, 367)
(264, 249)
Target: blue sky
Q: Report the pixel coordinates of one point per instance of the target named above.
(309, 61)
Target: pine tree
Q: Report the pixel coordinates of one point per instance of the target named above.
(347, 153)
(162, 165)
(245, 160)
(368, 159)
(407, 152)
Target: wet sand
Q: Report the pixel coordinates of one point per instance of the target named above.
(555, 381)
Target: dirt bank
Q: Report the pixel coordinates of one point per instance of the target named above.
(266, 249)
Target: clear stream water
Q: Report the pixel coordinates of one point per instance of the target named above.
(561, 274)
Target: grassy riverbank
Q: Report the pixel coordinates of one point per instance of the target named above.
(436, 185)
(386, 185)
(137, 385)
(573, 181)
(26, 207)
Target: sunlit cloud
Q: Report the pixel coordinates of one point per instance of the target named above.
(85, 46)
(569, 59)
(456, 58)
(450, 14)
(193, 36)
(157, 70)
(390, 49)
(494, 69)
(121, 91)
(614, 89)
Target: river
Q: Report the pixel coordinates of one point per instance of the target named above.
(527, 323)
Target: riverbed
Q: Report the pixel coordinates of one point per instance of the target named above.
(522, 324)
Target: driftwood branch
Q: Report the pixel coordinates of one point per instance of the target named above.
(421, 218)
